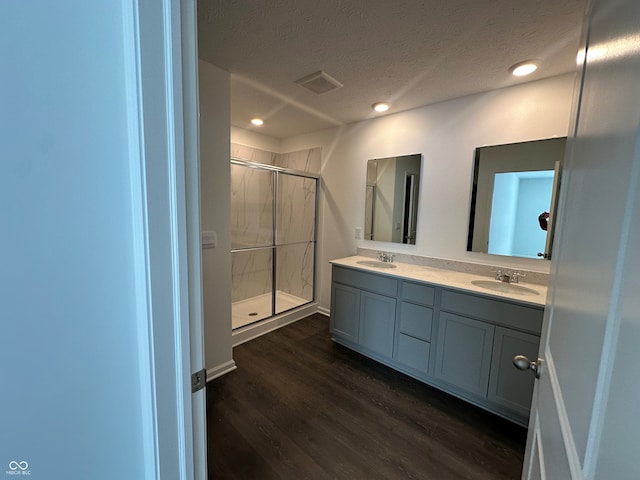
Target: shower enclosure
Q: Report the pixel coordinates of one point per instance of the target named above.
(273, 240)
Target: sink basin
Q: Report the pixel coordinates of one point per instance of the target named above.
(504, 287)
(375, 264)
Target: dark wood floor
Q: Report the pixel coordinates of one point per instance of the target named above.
(302, 407)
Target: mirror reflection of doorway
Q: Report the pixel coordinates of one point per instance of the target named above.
(409, 216)
(519, 198)
(392, 197)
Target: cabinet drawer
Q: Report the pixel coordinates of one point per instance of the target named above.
(414, 353)
(418, 293)
(416, 320)
(366, 281)
(499, 312)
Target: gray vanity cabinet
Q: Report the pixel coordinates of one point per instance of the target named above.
(477, 340)
(363, 309)
(464, 351)
(461, 342)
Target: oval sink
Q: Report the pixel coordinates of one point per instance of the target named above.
(375, 264)
(504, 287)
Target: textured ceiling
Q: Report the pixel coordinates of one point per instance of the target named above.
(409, 53)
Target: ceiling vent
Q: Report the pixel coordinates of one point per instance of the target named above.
(319, 83)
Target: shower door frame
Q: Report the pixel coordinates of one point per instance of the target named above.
(274, 245)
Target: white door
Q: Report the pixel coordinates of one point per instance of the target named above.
(163, 75)
(191, 140)
(584, 421)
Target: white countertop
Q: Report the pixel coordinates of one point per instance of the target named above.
(446, 278)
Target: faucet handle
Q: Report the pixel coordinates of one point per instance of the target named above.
(515, 276)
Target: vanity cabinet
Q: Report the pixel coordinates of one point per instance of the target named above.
(458, 341)
(363, 310)
(477, 340)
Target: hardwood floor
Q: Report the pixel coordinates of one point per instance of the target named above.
(302, 407)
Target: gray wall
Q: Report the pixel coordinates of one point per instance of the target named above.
(72, 374)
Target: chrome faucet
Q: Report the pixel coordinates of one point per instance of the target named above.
(385, 257)
(508, 276)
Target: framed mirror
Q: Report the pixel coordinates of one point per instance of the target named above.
(392, 198)
(513, 198)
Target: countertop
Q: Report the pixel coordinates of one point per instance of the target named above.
(446, 278)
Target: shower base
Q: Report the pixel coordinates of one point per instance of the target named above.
(258, 308)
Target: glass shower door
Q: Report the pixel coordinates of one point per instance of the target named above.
(252, 224)
(273, 228)
(295, 240)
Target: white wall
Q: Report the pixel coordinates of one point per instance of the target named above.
(446, 134)
(255, 140)
(72, 389)
(215, 206)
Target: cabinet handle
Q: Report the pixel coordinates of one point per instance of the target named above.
(523, 363)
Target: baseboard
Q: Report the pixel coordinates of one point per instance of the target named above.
(324, 311)
(220, 370)
(250, 332)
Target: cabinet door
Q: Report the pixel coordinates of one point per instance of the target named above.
(463, 355)
(508, 385)
(345, 311)
(377, 322)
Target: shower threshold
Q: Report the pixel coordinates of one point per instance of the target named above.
(254, 309)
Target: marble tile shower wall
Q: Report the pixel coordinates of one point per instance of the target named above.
(251, 226)
(251, 207)
(252, 222)
(251, 274)
(295, 270)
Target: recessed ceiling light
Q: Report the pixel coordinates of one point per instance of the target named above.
(380, 106)
(257, 121)
(523, 68)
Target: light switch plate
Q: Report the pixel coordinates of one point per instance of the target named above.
(209, 239)
(358, 233)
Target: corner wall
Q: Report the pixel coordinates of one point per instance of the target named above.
(214, 86)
